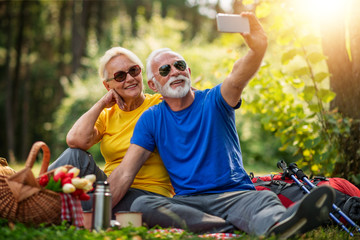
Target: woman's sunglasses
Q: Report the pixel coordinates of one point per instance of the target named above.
(120, 76)
(164, 70)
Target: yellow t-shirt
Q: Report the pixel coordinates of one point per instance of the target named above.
(116, 127)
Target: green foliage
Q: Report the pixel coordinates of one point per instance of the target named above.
(291, 99)
(53, 185)
(65, 232)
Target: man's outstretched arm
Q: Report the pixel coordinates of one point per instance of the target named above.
(245, 68)
(123, 175)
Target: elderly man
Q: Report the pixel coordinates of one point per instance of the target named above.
(195, 134)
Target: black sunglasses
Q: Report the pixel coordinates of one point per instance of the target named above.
(120, 76)
(164, 70)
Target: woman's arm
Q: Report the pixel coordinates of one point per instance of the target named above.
(83, 133)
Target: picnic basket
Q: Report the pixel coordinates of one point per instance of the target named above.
(22, 199)
(5, 170)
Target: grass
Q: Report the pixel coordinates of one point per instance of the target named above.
(62, 232)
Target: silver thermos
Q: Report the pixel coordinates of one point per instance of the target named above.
(101, 206)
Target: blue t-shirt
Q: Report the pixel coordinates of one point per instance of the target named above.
(199, 145)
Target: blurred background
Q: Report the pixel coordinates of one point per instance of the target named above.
(302, 106)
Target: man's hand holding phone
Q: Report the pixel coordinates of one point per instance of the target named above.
(247, 25)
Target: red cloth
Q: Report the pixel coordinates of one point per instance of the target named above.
(71, 210)
(344, 186)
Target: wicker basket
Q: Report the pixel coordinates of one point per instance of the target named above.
(22, 199)
(5, 170)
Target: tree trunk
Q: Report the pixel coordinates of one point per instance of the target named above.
(9, 91)
(100, 16)
(77, 35)
(131, 7)
(164, 8)
(85, 19)
(81, 13)
(354, 29)
(148, 9)
(352, 145)
(345, 81)
(61, 36)
(17, 80)
(25, 139)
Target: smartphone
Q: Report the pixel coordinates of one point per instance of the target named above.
(232, 23)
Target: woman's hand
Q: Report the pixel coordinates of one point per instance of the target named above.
(111, 98)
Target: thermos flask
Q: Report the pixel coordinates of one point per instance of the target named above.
(101, 206)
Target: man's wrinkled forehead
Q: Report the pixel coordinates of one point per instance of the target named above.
(166, 58)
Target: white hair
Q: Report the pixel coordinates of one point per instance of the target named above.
(151, 57)
(113, 52)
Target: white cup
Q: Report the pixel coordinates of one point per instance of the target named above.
(129, 218)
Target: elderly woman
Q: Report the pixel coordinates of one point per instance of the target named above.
(111, 121)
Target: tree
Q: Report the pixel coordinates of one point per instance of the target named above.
(9, 88)
(344, 67)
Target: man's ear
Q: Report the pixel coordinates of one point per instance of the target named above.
(106, 85)
(152, 86)
(189, 71)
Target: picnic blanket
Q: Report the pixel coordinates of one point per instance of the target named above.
(220, 236)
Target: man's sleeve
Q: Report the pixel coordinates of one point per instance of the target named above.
(221, 101)
(143, 135)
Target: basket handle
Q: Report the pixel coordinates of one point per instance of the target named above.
(33, 153)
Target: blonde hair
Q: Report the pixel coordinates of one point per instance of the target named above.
(113, 52)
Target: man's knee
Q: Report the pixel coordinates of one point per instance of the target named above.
(269, 194)
(144, 203)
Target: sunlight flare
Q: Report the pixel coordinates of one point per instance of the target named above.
(321, 10)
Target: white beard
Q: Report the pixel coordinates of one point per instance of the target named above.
(178, 92)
